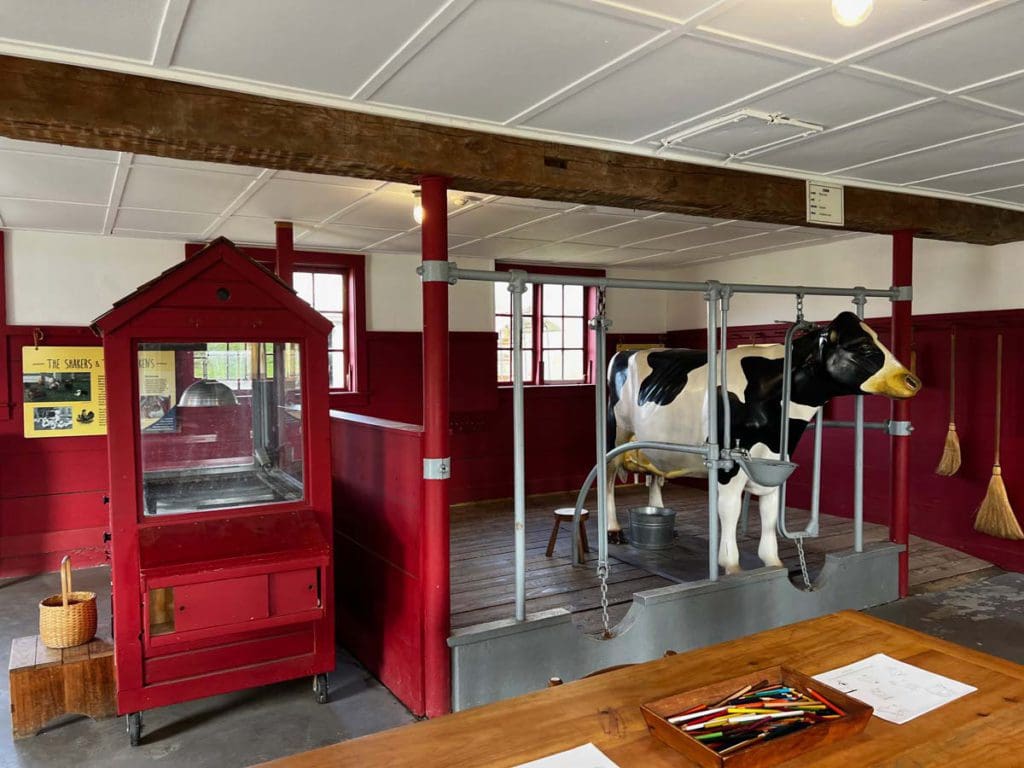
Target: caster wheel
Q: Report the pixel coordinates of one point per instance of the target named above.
(134, 727)
(320, 688)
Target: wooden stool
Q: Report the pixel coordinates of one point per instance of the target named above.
(566, 513)
(47, 682)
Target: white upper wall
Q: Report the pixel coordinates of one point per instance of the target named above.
(948, 277)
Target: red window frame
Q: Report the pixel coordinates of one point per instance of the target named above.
(536, 375)
(353, 267)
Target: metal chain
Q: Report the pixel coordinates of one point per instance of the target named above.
(600, 302)
(799, 307)
(808, 586)
(602, 572)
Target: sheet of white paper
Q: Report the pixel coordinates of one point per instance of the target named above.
(899, 692)
(587, 756)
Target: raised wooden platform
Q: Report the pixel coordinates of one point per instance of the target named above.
(47, 683)
(482, 557)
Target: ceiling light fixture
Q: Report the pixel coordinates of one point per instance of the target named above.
(417, 208)
(850, 13)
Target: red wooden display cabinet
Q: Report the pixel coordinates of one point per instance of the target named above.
(220, 509)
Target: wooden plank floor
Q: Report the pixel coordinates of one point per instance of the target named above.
(483, 587)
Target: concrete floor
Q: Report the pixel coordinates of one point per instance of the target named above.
(249, 727)
(237, 729)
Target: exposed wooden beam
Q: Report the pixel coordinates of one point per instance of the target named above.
(66, 104)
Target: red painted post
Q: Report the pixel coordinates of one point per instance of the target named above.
(284, 257)
(434, 541)
(899, 523)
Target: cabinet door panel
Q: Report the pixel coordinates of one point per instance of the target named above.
(294, 591)
(217, 603)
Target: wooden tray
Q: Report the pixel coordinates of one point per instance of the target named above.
(767, 753)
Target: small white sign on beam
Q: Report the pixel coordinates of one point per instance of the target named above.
(825, 204)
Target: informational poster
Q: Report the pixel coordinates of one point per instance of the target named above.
(65, 392)
(157, 393)
(825, 204)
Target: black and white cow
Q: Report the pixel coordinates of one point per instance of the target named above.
(662, 395)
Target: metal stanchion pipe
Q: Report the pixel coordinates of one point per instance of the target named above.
(724, 356)
(812, 525)
(601, 409)
(858, 459)
(517, 286)
(712, 458)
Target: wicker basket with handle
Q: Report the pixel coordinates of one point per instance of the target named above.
(67, 619)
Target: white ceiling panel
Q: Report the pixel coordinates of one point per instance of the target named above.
(196, 165)
(1008, 94)
(561, 251)
(835, 99)
(568, 225)
(496, 247)
(180, 189)
(168, 222)
(384, 210)
(331, 46)
(997, 177)
(678, 11)
(55, 177)
(125, 28)
(920, 127)
(36, 147)
(299, 200)
(320, 178)
(493, 217)
(638, 229)
(670, 85)
(531, 203)
(808, 26)
(696, 237)
(500, 57)
(350, 238)
(66, 217)
(1014, 195)
(246, 229)
(967, 53)
(412, 242)
(999, 147)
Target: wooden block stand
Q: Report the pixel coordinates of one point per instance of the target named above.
(47, 683)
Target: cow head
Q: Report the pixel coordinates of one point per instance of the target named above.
(860, 364)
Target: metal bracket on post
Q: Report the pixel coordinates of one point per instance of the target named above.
(903, 293)
(437, 469)
(438, 272)
(516, 281)
(898, 428)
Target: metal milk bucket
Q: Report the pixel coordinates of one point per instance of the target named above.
(651, 527)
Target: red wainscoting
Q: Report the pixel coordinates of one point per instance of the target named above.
(52, 490)
(942, 508)
(377, 470)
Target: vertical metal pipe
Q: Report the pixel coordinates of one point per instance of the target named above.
(601, 416)
(902, 275)
(516, 286)
(724, 355)
(434, 541)
(858, 459)
(812, 527)
(712, 460)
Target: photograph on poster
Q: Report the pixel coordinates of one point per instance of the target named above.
(54, 387)
(52, 419)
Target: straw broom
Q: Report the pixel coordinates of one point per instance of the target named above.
(950, 461)
(995, 515)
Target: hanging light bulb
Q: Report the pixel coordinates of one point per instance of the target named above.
(850, 13)
(417, 208)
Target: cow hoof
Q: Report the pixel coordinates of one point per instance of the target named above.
(616, 537)
(732, 570)
(773, 563)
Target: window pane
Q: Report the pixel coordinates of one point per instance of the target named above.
(527, 332)
(552, 332)
(329, 291)
(572, 360)
(573, 332)
(504, 366)
(574, 300)
(527, 299)
(503, 327)
(302, 282)
(527, 366)
(337, 338)
(502, 299)
(552, 300)
(337, 367)
(553, 365)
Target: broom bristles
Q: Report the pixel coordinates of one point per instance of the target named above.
(950, 461)
(995, 515)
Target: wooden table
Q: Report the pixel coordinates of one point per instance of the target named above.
(49, 682)
(984, 729)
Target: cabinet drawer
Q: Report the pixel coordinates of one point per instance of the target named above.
(216, 603)
(294, 591)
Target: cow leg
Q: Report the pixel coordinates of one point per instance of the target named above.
(654, 491)
(615, 535)
(730, 500)
(768, 549)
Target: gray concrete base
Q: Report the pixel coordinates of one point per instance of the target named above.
(506, 658)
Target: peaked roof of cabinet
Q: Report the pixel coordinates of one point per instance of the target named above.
(221, 252)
